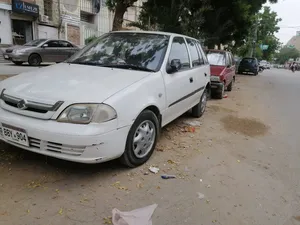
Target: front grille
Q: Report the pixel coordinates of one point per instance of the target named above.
(29, 105)
(9, 50)
(56, 147)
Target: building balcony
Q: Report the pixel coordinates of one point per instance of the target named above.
(87, 6)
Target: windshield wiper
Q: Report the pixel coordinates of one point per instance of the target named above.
(129, 66)
(86, 63)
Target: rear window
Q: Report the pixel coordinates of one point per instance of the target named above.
(216, 58)
(248, 61)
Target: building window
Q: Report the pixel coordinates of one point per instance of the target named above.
(48, 9)
(86, 17)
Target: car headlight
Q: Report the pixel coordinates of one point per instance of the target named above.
(19, 51)
(87, 113)
(215, 78)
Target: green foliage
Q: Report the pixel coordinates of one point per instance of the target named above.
(266, 25)
(215, 21)
(285, 54)
(90, 39)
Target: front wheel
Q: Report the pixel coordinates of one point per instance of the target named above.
(199, 109)
(229, 87)
(141, 139)
(34, 60)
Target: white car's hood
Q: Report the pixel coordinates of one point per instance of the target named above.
(70, 82)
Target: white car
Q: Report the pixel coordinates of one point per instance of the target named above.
(109, 100)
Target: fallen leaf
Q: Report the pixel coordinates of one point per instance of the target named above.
(139, 185)
(238, 161)
(107, 220)
(158, 187)
(28, 211)
(60, 212)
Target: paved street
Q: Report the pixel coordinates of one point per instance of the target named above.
(244, 158)
(12, 69)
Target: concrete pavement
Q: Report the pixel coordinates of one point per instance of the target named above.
(244, 159)
(12, 69)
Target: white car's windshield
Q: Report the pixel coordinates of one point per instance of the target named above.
(216, 58)
(140, 51)
(35, 42)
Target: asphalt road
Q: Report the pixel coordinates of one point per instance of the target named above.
(243, 159)
(12, 69)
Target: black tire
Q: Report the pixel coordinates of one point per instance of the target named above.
(17, 63)
(129, 157)
(199, 109)
(220, 94)
(34, 60)
(229, 87)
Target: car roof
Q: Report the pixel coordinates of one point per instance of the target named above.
(154, 32)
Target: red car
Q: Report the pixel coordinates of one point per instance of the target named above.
(222, 69)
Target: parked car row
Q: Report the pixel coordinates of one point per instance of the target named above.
(112, 98)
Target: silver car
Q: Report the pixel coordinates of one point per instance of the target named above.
(41, 50)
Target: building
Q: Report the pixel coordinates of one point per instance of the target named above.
(74, 20)
(294, 42)
(18, 21)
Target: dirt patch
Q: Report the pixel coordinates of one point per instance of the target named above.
(3, 77)
(246, 126)
(217, 108)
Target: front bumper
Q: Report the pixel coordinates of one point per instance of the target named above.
(216, 86)
(15, 57)
(72, 142)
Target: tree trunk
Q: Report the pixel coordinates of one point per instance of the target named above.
(119, 14)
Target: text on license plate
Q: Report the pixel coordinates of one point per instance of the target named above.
(14, 134)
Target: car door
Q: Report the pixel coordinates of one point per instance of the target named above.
(179, 85)
(66, 50)
(204, 63)
(49, 51)
(199, 72)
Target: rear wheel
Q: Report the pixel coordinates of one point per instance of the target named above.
(141, 139)
(17, 63)
(34, 60)
(199, 109)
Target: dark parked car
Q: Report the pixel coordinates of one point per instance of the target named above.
(41, 50)
(248, 65)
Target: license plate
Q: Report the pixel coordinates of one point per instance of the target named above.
(6, 57)
(14, 134)
(246, 70)
(214, 86)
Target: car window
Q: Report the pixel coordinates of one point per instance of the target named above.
(53, 44)
(216, 58)
(229, 59)
(203, 58)
(249, 61)
(125, 50)
(179, 51)
(195, 57)
(65, 44)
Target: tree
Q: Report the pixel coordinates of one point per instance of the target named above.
(119, 7)
(215, 21)
(285, 54)
(262, 32)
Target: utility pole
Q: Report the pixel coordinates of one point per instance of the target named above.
(253, 47)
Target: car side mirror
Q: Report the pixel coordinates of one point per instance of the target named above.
(45, 46)
(175, 66)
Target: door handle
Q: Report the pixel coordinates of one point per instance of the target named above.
(205, 74)
(191, 80)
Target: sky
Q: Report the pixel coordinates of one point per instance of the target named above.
(289, 12)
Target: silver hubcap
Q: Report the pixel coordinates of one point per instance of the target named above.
(144, 138)
(203, 102)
